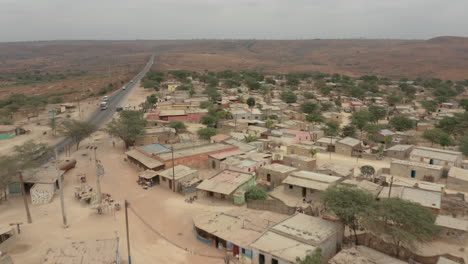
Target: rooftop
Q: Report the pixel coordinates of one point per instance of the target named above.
(400, 147)
(46, 174)
(328, 140)
(240, 226)
(302, 158)
(180, 171)
(103, 251)
(279, 168)
(226, 154)
(425, 198)
(417, 164)
(225, 182)
(171, 112)
(309, 229)
(363, 255)
(434, 153)
(196, 150)
(149, 162)
(458, 173)
(241, 145)
(452, 223)
(155, 148)
(349, 141)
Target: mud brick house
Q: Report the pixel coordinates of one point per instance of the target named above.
(300, 162)
(308, 184)
(416, 170)
(272, 175)
(399, 151)
(188, 115)
(436, 156)
(163, 135)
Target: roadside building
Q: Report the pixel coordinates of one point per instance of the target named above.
(7, 234)
(191, 154)
(188, 115)
(235, 230)
(428, 199)
(365, 185)
(329, 143)
(143, 161)
(363, 255)
(457, 176)
(219, 138)
(297, 237)
(416, 170)
(101, 251)
(241, 145)
(228, 185)
(183, 175)
(216, 159)
(348, 146)
(162, 135)
(272, 175)
(307, 184)
(45, 177)
(436, 156)
(452, 227)
(399, 151)
(241, 164)
(299, 149)
(300, 162)
(335, 169)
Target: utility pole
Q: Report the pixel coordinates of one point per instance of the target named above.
(25, 199)
(390, 189)
(62, 201)
(173, 169)
(98, 181)
(128, 233)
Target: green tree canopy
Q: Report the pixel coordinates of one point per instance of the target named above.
(177, 125)
(309, 107)
(256, 193)
(463, 142)
(401, 222)
(288, 97)
(209, 120)
(361, 118)
(315, 258)
(206, 133)
(430, 106)
(348, 131)
(349, 204)
(401, 123)
(315, 118)
(251, 102)
(309, 95)
(127, 127)
(332, 129)
(378, 112)
(77, 130)
(367, 170)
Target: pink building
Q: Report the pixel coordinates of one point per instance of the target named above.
(298, 136)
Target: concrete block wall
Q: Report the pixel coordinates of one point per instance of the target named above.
(42, 193)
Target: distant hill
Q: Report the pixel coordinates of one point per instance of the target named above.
(442, 57)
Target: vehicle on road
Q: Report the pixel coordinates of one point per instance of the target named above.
(128, 106)
(131, 81)
(104, 105)
(105, 98)
(124, 88)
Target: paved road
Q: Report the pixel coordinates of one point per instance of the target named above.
(101, 117)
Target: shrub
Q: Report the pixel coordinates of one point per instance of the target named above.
(256, 193)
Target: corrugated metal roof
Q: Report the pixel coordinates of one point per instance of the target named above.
(225, 182)
(150, 163)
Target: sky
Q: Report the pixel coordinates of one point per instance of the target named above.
(27, 20)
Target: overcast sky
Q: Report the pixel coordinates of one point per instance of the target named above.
(261, 19)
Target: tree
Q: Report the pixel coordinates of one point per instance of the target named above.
(270, 81)
(401, 123)
(177, 125)
(464, 103)
(53, 124)
(332, 129)
(251, 102)
(206, 104)
(209, 120)
(127, 127)
(269, 123)
(309, 107)
(361, 118)
(463, 143)
(315, 118)
(206, 133)
(312, 151)
(256, 193)
(309, 95)
(367, 170)
(348, 131)
(349, 204)
(378, 112)
(7, 169)
(434, 135)
(402, 221)
(315, 258)
(152, 99)
(288, 97)
(250, 138)
(77, 130)
(430, 106)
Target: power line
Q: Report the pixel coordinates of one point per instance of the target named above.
(171, 242)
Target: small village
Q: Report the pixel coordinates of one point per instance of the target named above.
(241, 167)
